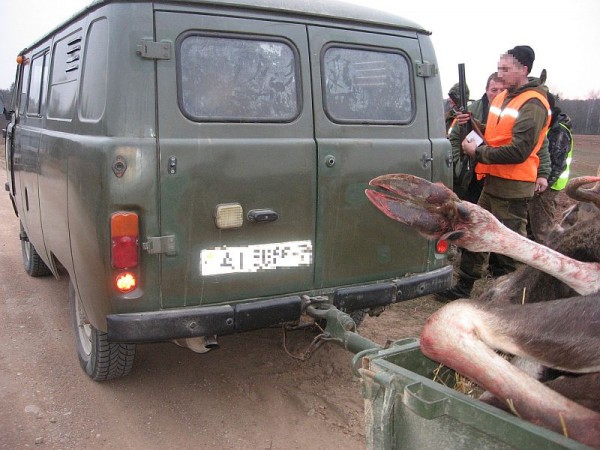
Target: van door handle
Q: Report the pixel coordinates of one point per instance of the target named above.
(262, 215)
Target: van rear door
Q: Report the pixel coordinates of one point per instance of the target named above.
(370, 119)
(237, 159)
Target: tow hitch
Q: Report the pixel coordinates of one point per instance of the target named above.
(339, 326)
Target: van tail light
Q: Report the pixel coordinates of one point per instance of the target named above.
(124, 236)
(442, 246)
(126, 281)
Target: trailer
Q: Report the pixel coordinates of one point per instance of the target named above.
(411, 403)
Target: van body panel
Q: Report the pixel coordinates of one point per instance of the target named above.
(27, 165)
(441, 152)
(360, 150)
(268, 165)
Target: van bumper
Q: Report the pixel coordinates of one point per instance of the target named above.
(188, 322)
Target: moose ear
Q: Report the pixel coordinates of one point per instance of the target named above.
(453, 235)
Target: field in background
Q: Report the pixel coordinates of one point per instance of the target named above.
(586, 155)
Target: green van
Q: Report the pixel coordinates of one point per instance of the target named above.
(197, 168)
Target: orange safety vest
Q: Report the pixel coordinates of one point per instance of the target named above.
(498, 132)
(449, 132)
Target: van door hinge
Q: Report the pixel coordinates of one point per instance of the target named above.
(426, 69)
(425, 160)
(160, 244)
(154, 50)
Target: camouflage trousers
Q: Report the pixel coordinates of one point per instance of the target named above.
(512, 212)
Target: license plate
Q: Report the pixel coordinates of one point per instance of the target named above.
(255, 258)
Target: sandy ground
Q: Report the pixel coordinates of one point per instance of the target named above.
(249, 394)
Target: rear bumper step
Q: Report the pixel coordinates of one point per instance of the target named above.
(201, 321)
(227, 319)
(382, 294)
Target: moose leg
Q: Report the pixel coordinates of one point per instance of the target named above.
(581, 388)
(465, 335)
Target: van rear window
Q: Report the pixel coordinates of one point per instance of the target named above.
(232, 79)
(367, 86)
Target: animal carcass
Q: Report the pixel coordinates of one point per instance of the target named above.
(547, 312)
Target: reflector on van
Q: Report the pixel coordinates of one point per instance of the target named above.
(124, 233)
(229, 215)
(442, 246)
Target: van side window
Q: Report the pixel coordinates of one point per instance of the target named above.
(24, 85)
(37, 85)
(65, 76)
(94, 76)
(45, 78)
(366, 86)
(227, 79)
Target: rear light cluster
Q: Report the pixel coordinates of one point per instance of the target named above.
(124, 236)
(442, 246)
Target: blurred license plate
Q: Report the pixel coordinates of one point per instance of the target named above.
(254, 258)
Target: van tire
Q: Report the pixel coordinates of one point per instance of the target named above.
(100, 359)
(32, 262)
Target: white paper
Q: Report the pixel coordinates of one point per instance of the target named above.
(474, 137)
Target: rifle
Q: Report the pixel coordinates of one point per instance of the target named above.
(462, 89)
(467, 165)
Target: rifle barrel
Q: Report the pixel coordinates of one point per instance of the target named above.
(462, 88)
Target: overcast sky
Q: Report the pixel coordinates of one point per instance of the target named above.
(565, 36)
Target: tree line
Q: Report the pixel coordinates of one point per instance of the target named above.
(585, 114)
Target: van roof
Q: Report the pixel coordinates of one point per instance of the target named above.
(331, 9)
(326, 9)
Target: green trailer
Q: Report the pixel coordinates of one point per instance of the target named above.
(411, 403)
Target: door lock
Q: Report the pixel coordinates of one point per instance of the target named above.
(172, 165)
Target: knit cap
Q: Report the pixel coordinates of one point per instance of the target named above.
(455, 91)
(524, 54)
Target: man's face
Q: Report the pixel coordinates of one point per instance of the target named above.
(493, 89)
(511, 73)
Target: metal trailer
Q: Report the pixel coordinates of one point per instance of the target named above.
(406, 409)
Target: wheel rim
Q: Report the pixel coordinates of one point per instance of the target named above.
(84, 329)
(27, 250)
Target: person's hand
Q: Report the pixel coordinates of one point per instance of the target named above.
(541, 184)
(463, 118)
(469, 146)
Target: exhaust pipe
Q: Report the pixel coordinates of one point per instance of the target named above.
(201, 344)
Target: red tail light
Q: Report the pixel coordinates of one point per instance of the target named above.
(124, 235)
(442, 246)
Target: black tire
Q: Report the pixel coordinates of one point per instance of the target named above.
(100, 359)
(32, 262)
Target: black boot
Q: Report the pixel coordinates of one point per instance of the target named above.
(462, 289)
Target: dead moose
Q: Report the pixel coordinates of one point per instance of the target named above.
(546, 314)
